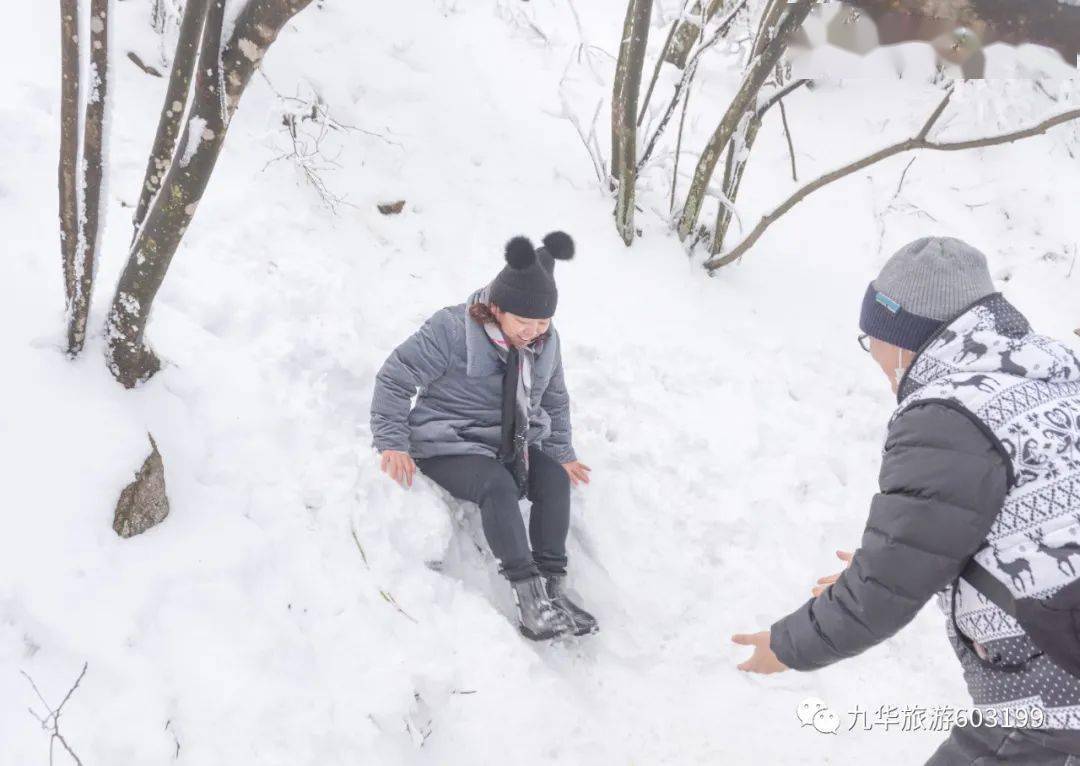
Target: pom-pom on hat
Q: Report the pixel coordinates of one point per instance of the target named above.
(526, 285)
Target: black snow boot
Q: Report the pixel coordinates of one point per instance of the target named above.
(538, 618)
(584, 623)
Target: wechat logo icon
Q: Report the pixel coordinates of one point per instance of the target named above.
(814, 712)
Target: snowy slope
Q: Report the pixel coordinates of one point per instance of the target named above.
(732, 424)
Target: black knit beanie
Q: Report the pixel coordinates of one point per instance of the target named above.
(526, 285)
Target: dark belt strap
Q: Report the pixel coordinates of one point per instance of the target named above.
(994, 589)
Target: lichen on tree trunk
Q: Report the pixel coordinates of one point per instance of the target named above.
(220, 80)
(172, 111)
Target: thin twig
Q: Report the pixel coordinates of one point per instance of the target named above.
(790, 145)
(51, 722)
(903, 176)
(779, 95)
(678, 150)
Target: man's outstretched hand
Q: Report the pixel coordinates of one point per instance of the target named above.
(827, 580)
(579, 472)
(762, 660)
(399, 466)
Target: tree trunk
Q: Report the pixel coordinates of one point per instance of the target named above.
(69, 146)
(624, 108)
(738, 156)
(688, 33)
(176, 100)
(255, 30)
(742, 142)
(745, 100)
(93, 142)
(735, 164)
(220, 81)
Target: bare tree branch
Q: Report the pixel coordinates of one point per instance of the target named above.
(659, 64)
(742, 141)
(794, 15)
(779, 95)
(678, 152)
(684, 82)
(919, 141)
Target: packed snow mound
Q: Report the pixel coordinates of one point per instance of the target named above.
(299, 608)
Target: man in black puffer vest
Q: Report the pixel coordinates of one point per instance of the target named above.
(979, 504)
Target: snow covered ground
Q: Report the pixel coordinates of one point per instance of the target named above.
(732, 424)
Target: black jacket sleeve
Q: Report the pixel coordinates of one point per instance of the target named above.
(943, 482)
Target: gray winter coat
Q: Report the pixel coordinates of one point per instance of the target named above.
(953, 479)
(458, 411)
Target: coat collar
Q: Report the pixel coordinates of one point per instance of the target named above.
(481, 357)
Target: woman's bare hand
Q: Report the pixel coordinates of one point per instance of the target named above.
(399, 466)
(827, 580)
(579, 472)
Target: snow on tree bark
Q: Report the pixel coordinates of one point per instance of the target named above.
(745, 99)
(624, 111)
(742, 142)
(93, 143)
(255, 30)
(173, 110)
(220, 79)
(69, 146)
(689, 32)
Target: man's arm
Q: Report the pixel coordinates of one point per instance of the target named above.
(943, 482)
(556, 403)
(424, 357)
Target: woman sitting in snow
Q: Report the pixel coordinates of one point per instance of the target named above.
(492, 424)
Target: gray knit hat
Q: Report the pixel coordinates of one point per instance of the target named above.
(925, 285)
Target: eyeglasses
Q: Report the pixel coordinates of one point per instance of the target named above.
(864, 342)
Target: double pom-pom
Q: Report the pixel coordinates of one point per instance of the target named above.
(520, 253)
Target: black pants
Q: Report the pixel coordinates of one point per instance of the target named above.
(986, 746)
(486, 482)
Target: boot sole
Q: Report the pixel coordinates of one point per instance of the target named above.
(541, 636)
